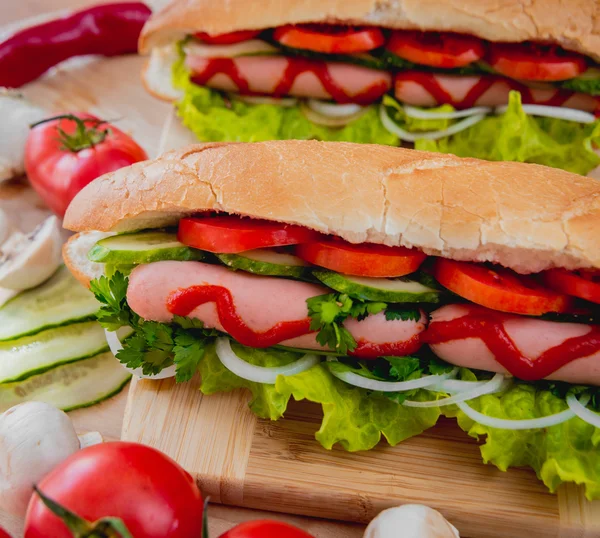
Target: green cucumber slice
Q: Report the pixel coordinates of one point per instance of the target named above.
(267, 262)
(58, 301)
(388, 290)
(142, 247)
(70, 386)
(32, 355)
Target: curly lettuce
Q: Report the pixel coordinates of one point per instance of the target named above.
(357, 419)
(515, 136)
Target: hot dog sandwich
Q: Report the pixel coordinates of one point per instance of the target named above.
(519, 83)
(390, 285)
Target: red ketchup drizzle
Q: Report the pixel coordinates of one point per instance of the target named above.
(431, 84)
(489, 326)
(368, 350)
(294, 69)
(183, 301)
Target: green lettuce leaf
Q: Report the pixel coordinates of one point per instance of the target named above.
(515, 136)
(352, 417)
(588, 83)
(567, 452)
(212, 117)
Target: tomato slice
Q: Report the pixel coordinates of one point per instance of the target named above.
(329, 39)
(583, 284)
(229, 234)
(361, 260)
(227, 39)
(437, 49)
(532, 61)
(498, 288)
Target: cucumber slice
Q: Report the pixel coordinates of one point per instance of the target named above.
(142, 247)
(387, 290)
(58, 301)
(267, 262)
(70, 386)
(32, 355)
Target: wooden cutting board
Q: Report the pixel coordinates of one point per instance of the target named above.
(244, 461)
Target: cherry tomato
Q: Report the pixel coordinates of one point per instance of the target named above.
(151, 493)
(498, 288)
(437, 49)
(532, 61)
(229, 234)
(227, 39)
(361, 260)
(328, 38)
(583, 284)
(59, 164)
(265, 528)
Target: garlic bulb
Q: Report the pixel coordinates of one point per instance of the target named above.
(410, 521)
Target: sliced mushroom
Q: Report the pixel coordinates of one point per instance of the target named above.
(27, 260)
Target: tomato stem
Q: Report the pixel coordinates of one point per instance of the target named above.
(84, 136)
(205, 518)
(108, 527)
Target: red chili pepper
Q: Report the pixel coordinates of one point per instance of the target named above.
(108, 30)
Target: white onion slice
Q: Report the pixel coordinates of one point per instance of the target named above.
(390, 386)
(560, 113)
(251, 47)
(508, 424)
(333, 110)
(456, 385)
(285, 102)
(259, 374)
(498, 382)
(579, 408)
(420, 114)
(329, 121)
(393, 128)
(112, 338)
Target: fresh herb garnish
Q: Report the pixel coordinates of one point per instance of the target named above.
(328, 313)
(152, 346)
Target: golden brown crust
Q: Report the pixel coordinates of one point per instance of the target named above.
(574, 24)
(523, 216)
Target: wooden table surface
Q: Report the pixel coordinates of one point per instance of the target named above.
(144, 117)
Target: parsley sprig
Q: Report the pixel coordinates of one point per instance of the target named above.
(328, 313)
(152, 346)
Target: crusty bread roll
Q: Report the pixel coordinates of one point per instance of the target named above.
(523, 216)
(572, 24)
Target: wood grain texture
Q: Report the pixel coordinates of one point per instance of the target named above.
(279, 466)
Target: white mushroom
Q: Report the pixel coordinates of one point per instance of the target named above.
(410, 521)
(27, 260)
(34, 438)
(17, 114)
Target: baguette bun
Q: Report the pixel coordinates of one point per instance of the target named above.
(523, 216)
(573, 24)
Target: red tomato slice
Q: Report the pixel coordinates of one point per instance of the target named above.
(361, 260)
(583, 284)
(499, 289)
(437, 49)
(227, 39)
(229, 234)
(328, 38)
(531, 61)
(265, 528)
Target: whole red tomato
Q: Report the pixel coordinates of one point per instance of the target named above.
(265, 528)
(146, 489)
(64, 154)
